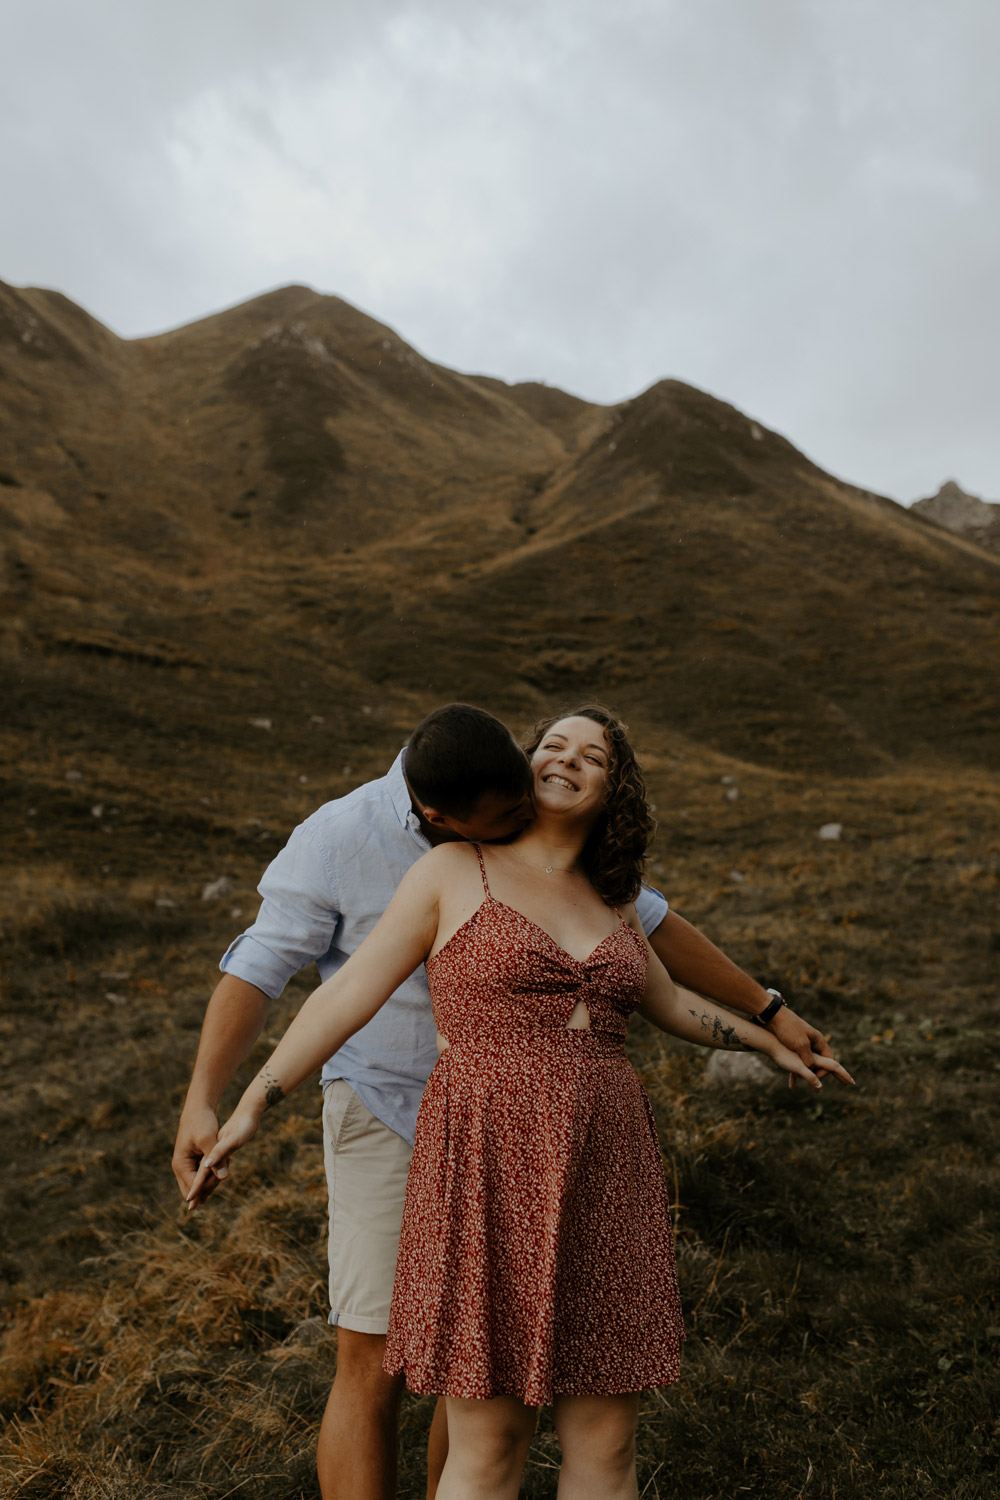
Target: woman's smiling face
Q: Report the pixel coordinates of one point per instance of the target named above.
(570, 767)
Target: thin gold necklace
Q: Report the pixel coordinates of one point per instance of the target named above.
(547, 868)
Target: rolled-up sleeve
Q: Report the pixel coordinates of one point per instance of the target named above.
(651, 908)
(297, 919)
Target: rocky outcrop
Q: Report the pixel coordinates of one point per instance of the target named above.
(966, 515)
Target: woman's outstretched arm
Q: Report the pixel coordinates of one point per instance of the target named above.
(340, 1006)
(684, 1014)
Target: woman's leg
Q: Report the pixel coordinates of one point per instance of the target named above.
(597, 1437)
(437, 1446)
(488, 1442)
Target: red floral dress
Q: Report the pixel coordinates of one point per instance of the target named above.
(536, 1257)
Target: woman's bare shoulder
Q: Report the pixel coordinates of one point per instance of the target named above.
(437, 874)
(448, 861)
(631, 916)
(458, 853)
(445, 872)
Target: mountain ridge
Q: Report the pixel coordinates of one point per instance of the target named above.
(290, 477)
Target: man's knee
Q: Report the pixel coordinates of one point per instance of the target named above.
(359, 1364)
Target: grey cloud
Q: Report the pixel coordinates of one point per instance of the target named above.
(791, 204)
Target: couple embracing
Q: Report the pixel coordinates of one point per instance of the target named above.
(499, 1226)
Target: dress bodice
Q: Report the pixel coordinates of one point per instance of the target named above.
(502, 971)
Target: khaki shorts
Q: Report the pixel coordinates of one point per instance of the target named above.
(366, 1167)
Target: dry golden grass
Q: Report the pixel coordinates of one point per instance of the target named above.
(836, 1255)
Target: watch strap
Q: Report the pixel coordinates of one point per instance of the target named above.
(770, 1010)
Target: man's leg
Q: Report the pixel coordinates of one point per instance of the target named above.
(366, 1167)
(356, 1454)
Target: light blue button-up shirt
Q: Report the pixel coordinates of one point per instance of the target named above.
(322, 895)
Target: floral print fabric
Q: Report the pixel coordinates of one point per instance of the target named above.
(536, 1255)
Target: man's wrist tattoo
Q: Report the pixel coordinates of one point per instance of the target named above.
(723, 1034)
(273, 1092)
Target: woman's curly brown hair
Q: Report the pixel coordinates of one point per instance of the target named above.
(614, 855)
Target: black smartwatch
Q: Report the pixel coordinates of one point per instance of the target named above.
(770, 1010)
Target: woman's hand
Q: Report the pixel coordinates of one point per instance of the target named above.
(238, 1129)
(798, 1067)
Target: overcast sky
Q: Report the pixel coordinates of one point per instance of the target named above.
(794, 204)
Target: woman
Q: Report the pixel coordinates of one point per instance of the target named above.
(536, 1263)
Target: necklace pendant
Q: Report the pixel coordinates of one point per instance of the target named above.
(548, 869)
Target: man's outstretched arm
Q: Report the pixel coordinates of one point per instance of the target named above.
(294, 927)
(696, 963)
(233, 1021)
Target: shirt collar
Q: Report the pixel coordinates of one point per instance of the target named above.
(400, 797)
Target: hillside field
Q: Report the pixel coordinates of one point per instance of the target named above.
(239, 562)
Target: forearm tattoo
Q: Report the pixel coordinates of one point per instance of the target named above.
(722, 1034)
(273, 1092)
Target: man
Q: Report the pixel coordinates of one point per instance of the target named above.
(461, 776)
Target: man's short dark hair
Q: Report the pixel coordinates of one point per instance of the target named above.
(459, 752)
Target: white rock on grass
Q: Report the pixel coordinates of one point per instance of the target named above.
(726, 1069)
(260, 723)
(831, 830)
(216, 888)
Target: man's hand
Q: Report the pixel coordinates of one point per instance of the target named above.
(811, 1045)
(233, 1021)
(197, 1135)
(238, 1129)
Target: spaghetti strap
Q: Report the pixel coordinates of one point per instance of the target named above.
(482, 869)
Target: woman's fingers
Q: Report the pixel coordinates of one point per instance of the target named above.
(796, 1068)
(802, 1071)
(831, 1065)
(214, 1166)
(212, 1170)
(812, 1069)
(197, 1192)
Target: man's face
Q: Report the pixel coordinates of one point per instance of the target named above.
(495, 818)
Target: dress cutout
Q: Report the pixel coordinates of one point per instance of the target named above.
(536, 1256)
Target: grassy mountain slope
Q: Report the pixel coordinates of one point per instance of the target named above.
(291, 472)
(238, 561)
